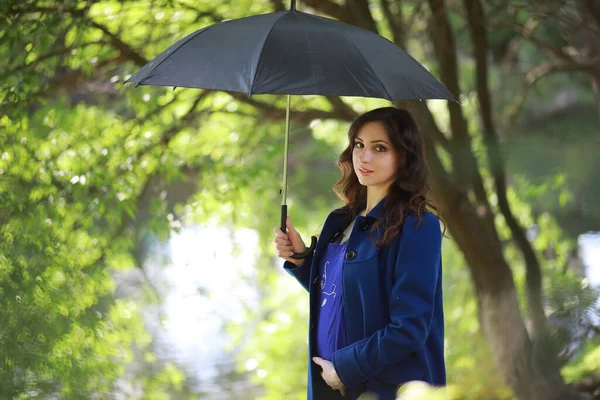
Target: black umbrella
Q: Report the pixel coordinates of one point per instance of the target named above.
(291, 52)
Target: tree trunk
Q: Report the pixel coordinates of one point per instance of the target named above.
(499, 314)
(529, 368)
(544, 348)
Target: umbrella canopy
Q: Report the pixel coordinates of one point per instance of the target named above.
(291, 52)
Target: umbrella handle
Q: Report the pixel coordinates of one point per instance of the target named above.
(313, 240)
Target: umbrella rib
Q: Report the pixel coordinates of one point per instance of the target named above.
(370, 66)
(190, 37)
(263, 49)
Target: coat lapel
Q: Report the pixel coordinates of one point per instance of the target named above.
(338, 220)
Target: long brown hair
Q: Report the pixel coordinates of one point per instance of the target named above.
(409, 192)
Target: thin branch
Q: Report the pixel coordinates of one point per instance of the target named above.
(152, 113)
(125, 49)
(530, 79)
(395, 22)
(527, 32)
(200, 13)
(187, 118)
(272, 112)
(46, 56)
(415, 16)
(63, 81)
(59, 9)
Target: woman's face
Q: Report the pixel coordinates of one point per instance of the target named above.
(375, 160)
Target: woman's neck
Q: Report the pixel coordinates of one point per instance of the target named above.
(374, 196)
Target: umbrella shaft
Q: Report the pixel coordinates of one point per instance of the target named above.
(286, 150)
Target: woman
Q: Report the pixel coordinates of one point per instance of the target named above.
(375, 277)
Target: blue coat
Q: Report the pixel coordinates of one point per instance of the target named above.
(392, 302)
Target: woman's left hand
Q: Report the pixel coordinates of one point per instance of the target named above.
(329, 375)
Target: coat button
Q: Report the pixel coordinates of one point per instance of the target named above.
(364, 226)
(350, 255)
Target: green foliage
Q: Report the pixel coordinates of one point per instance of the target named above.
(276, 354)
(62, 329)
(586, 364)
(553, 163)
(573, 307)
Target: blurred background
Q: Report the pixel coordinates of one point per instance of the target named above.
(136, 254)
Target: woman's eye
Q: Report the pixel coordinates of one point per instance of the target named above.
(360, 145)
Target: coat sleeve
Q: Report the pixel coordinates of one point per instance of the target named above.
(416, 273)
(302, 273)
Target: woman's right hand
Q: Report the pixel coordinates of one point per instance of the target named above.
(288, 244)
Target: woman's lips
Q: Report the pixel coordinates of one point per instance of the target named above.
(365, 172)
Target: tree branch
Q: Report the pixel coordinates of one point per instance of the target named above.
(342, 109)
(443, 185)
(360, 9)
(527, 32)
(530, 79)
(59, 9)
(593, 10)
(272, 112)
(414, 17)
(465, 164)
(46, 56)
(418, 109)
(395, 22)
(328, 7)
(421, 113)
(190, 116)
(278, 5)
(201, 13)
(356, 13)
(125, 49)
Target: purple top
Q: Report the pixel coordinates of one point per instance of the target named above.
(331, 328)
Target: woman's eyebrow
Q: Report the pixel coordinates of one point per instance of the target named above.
(374, 141)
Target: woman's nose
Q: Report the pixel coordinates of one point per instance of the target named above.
(365, 156)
